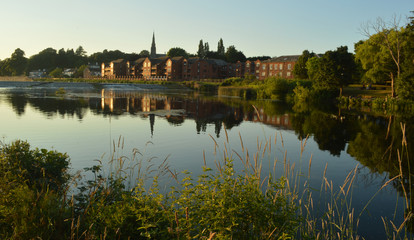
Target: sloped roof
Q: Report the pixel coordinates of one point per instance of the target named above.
(193, 59)
(139, 60)
(118, 60)
(156, 61)
(218, 62)
(286, 58)
(176, 59)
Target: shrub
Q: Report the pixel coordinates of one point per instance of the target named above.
(39, 168)
(232, 82)
(302, 93)
(32, 186)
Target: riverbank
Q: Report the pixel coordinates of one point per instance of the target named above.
(15, 79)
(78, 85)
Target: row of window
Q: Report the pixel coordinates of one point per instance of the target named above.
(288, 74)
(271, 66)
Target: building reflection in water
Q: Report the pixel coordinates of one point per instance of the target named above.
(176, 109)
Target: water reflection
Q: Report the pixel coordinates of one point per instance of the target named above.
(371, 140)
(374, 141)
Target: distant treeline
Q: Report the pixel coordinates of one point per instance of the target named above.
(51, 59)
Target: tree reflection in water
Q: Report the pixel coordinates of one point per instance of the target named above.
(371, 140)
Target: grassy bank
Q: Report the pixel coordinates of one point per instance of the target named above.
(360, 91)
(16, 79)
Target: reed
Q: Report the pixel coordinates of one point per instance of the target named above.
(124, 199)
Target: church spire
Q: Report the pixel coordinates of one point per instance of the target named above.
(153, 49)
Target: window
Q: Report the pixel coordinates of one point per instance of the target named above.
(271, 67)
(288, 74)
(263, 74)
(247, 64)
(169, 63)
(264, 67)
(289, 66)
(258, 65)
(281, 66)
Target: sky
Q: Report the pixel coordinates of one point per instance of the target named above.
(263, 27)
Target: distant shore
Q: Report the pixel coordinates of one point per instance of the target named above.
(16, 79)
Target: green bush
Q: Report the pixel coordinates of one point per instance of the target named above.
(302, 93)
(39, 168)
(222, 202)
(32, 186)
(232, 82)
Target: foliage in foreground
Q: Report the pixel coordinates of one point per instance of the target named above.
(221, 203)
(128, 203)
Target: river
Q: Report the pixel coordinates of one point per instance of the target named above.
(91, 122)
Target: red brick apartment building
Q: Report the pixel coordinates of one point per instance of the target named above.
(278, 67)
(114, 69)
(159, 66)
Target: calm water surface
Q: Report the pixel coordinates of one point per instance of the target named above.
(88, 120)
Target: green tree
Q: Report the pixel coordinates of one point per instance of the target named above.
(319, 72)
(300, 71)
(5, 67)
(201, 53)
(215, 55)
(15, 65)
(80, 52)
(79, 71)
(233, 55)
(220, 48)
(405, 85)
(56, 73)
(375, 60)
(390, 37)
(333, 70)
(46, 59)
(107, 56)
(144, 53)
(177, 52)
(206, 47)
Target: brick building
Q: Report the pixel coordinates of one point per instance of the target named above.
(279, 67)
(117, 68)
(135, 67)
(159, 66)
(154, 68)
(174, 68)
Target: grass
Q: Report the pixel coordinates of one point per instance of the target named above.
(376, 91)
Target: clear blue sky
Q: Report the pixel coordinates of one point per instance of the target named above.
(263, 27)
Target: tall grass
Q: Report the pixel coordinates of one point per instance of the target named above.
(124, 200)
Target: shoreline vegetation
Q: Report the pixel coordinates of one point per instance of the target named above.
(41, 200)
(360, 97)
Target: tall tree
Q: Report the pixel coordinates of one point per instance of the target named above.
(80, 52)
(220, 48)
(17, 62)
(405, 85)
(332, 71)
(201, 53)
(206, 48)
(390, 37)
(300, 70)
(233, 55)
(45, 59)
